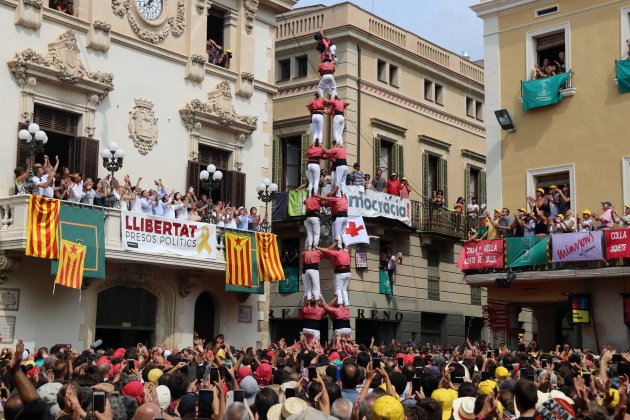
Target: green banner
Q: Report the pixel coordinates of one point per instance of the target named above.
(527, 250)
(296, 202)
(623, 76)
(384, 286)
(258, 287)
(84, 225)
(544, 91)
(292, 282)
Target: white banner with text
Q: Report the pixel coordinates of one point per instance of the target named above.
(369, 203)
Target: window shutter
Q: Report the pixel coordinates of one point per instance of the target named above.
(227, 187)
(55, 120)
(394, 167)
(306, 141)
(467, 193)
(426, 177)
(238, 188)
(443, 178)
(193, 176)
(377, 155)
(481, 188)
(21, 153)
(401, 161)
(276, 163)
(84, 157)
(211, 155)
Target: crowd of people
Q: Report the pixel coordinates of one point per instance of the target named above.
(313, 380)
(217, 55)
(65, 6)
(550, 68)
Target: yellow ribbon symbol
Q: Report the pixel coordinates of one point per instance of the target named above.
(203, 244)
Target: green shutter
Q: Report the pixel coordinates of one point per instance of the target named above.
(306, 142)
(426, 178)
(276, 164)
(377, 155)
(467, 184)
(395, 167)
(481, 187)
(401, 161)
(443, 178)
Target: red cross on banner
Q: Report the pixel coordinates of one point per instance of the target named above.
(355, 231)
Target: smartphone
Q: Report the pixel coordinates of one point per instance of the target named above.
(496, 352)
(223, 371)
(205, 403)
(4, 393)
(98, 401)
(200, 371)
(456, 379)
(239, 395)
(616, 358)
(587, 378)
(114, 394)
(416, 385)
(485, 376)
(376, 363)
(131, 363)
(401, 362)
(214, 374)
(543, 363)
(489, 354)
(312, 373)
(419, 370)
(289, 392)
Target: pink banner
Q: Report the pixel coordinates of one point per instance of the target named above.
(581, 246)
(617, 243)
(481, 254)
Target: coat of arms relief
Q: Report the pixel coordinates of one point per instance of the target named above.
(143, 129)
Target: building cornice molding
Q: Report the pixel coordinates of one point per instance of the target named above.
(387, 126)
(469, 154)
(430, 141)
(491, 7)
(291, 122)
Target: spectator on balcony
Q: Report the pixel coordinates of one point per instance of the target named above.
(102, 192)
(44, 181)
(493, 225)
(434, 199)
(405, 188)
(65, 6)
(193, 213)
(553, 199)
(439, 199)
(64, 174)
(458, 207)
(561, 66)
(224, 59)
(605, 220)
(506, 222)
(481, 233)
(326, 185)
(242, 221)
(570, 223)
(254, 220)
(214, 51)
(393, 184)
(62, 190)
(366, 181)
(557, 225)
(529, 228)
(76, 188)
(392, 262)
(378, 183)
(585, 224)
(230, 218)
(88, 188)
(21, 175)
(356, 177)
(542, 223)
(622, 221)
(518, 227)
(473, 208)
(563, 199)
(148, 201)
(539, 202)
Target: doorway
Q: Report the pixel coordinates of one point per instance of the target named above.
(204, 316)
(126, 316)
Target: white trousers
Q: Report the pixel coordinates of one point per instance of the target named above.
(311, 284)
(312, 225)
(338, 126)
(344, 332)
(317, 127)
(312, 173)
(340, 284)
(309, 333)
(338, 227)
(341, 174)
(327, 84)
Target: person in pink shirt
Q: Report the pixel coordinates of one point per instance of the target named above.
(314, 153)
(311, 316)
(310, 273)
(326, 69)
(605, 220)
(312, 223)
(405, 188)
(337, 109)
(340, 260)
(339, 212)
(340, 317)
(317, 108)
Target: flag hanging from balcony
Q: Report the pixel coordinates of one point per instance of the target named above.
(291, 284)
(296, 202)
(544, 91)
(481, 254)
(71, 262)
(355, 232)
(623, 76)
(43, 218)
(384, 285)
(269, 266)
(527, 250)
(238, 257)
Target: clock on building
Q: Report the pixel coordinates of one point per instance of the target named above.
(153, 20)
(150, 9)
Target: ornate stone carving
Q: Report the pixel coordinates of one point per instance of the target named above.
(251, 6)
(143, 129)
(198, 58)
(99, 37)
(185, 282)
(102, 26)
(196, 68)
(247, 76)
(245, 86)
(66, 57)
(38, 4)
(27, 105)
(28, 13)
(174, 25)
(239, 143)
(7, 266)
(200, 7)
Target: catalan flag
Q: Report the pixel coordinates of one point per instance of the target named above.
(269, 266)
(43, 219)
(71, 262)
(238, 253)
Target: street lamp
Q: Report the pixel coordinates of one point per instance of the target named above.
(33, 141)
(112, 162)
(210, 180)
(266, 190)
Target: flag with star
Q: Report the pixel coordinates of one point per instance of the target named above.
(71, 262)
(238, 258)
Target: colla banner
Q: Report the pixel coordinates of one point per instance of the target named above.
(377, 204)
(544, 91)
(481, 254)
(580, 246)
(617, 243)
(152, 234)
(623, 76)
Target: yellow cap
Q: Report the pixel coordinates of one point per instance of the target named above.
(627, 206)
(560, 216)
(587, 212)
(486, 387)
(541, 190)
(522, 209)
(501, 373)
(553, 186)
(497, 211)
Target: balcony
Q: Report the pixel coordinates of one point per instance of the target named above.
(14, 224)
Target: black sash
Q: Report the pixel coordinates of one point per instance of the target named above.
(312, 324)
(340, 323)
(311, 266)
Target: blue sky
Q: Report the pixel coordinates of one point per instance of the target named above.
(448, 23)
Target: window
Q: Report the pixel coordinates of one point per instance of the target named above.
(479, 110)
(548, 46)
(428, 90)
(291, 158)
(232, 186)
(214, 26)
(219, 158)
(301, 66)
(547, 11)
(434, 176)
(470, 106)
(385, 160)
(625, 32)
(433, 274)
(439, 94)
(393, 75)
(475, 295)
(381, 70)
(561, 176)
(284, 70)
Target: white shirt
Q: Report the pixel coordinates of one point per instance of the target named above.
(473, 209)
(44, 192)
(180, 211)
(168, 211)
(147, 205)
(88, 197)
(76, 193)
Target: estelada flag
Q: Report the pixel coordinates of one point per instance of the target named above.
(238, 255)
(71, 262)
(43, 219)
(268, 257)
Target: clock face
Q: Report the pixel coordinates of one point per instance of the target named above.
(150, 9)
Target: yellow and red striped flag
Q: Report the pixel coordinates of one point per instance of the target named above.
(268, 257)
(238, 255)
(43, 219)
(71, 262)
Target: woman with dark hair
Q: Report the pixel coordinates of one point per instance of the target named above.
(21, 175)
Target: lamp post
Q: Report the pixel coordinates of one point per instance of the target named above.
(33, 141)
(112, 162)
(211, 180)
(266, 190)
